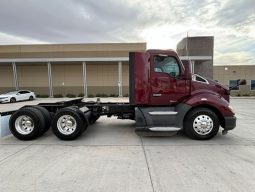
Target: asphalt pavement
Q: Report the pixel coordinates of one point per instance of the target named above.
(109, 156)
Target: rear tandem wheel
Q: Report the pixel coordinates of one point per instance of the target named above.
(27, 123)
(68, 123)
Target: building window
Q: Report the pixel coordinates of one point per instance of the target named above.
(253, 85)
(233, 83)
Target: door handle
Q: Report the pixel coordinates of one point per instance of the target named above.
(156, 94)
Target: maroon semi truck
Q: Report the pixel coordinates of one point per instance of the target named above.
(164, 98)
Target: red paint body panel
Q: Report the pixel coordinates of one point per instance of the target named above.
(209, 98)
(158, 88)
(211, 86)
(148, 82)
(142, 72)
(171, 89)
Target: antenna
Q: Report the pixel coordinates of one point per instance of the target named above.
(187, 51)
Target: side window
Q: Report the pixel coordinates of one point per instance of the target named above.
(165, 64)
(233, 83)
(22, 92)
(198, 78)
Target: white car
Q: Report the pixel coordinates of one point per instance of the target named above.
(13, 96)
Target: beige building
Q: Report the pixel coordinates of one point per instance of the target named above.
(78, 69)
(199, 50)
(228, 76)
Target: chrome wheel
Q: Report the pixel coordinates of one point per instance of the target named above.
(66, 124)
(203, 124)
(24, 125)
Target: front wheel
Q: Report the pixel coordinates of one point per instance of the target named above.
(13, 100)
(201, 124)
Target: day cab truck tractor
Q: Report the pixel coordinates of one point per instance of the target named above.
(164, 98)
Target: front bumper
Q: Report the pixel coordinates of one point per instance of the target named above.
(229, 123)
(7, 100)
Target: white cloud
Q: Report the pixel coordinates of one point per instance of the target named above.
(7, 39)
(235, 58)
(160, 23)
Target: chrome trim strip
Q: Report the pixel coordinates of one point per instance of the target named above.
(164, 128)
(156, 94)
(163, 113)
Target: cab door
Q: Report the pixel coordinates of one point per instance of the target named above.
(167, 85)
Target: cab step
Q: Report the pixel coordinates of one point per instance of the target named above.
(157, 131)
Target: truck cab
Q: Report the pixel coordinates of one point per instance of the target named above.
(168, 97)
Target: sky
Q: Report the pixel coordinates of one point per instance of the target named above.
(161, 24)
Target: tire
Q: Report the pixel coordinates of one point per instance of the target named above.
(84, 128)
(13, 100)
(30, 116)
(201, 124)
(68, 123)
(46, 115)
(31, 98)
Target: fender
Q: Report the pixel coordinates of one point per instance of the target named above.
(210, 99)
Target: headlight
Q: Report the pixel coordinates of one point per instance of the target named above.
(3, 97)
(231, 109)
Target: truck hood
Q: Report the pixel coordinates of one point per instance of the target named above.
(203, 84)
(220, 89)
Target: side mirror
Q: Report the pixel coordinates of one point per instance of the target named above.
(241, 82)
(18, 94)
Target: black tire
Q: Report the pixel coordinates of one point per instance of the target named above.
(37, 119)
(194, 127)
(52, 114)
(46, 115)
(31, 98)
(76, 116)
(84, 128)
(13, 100)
